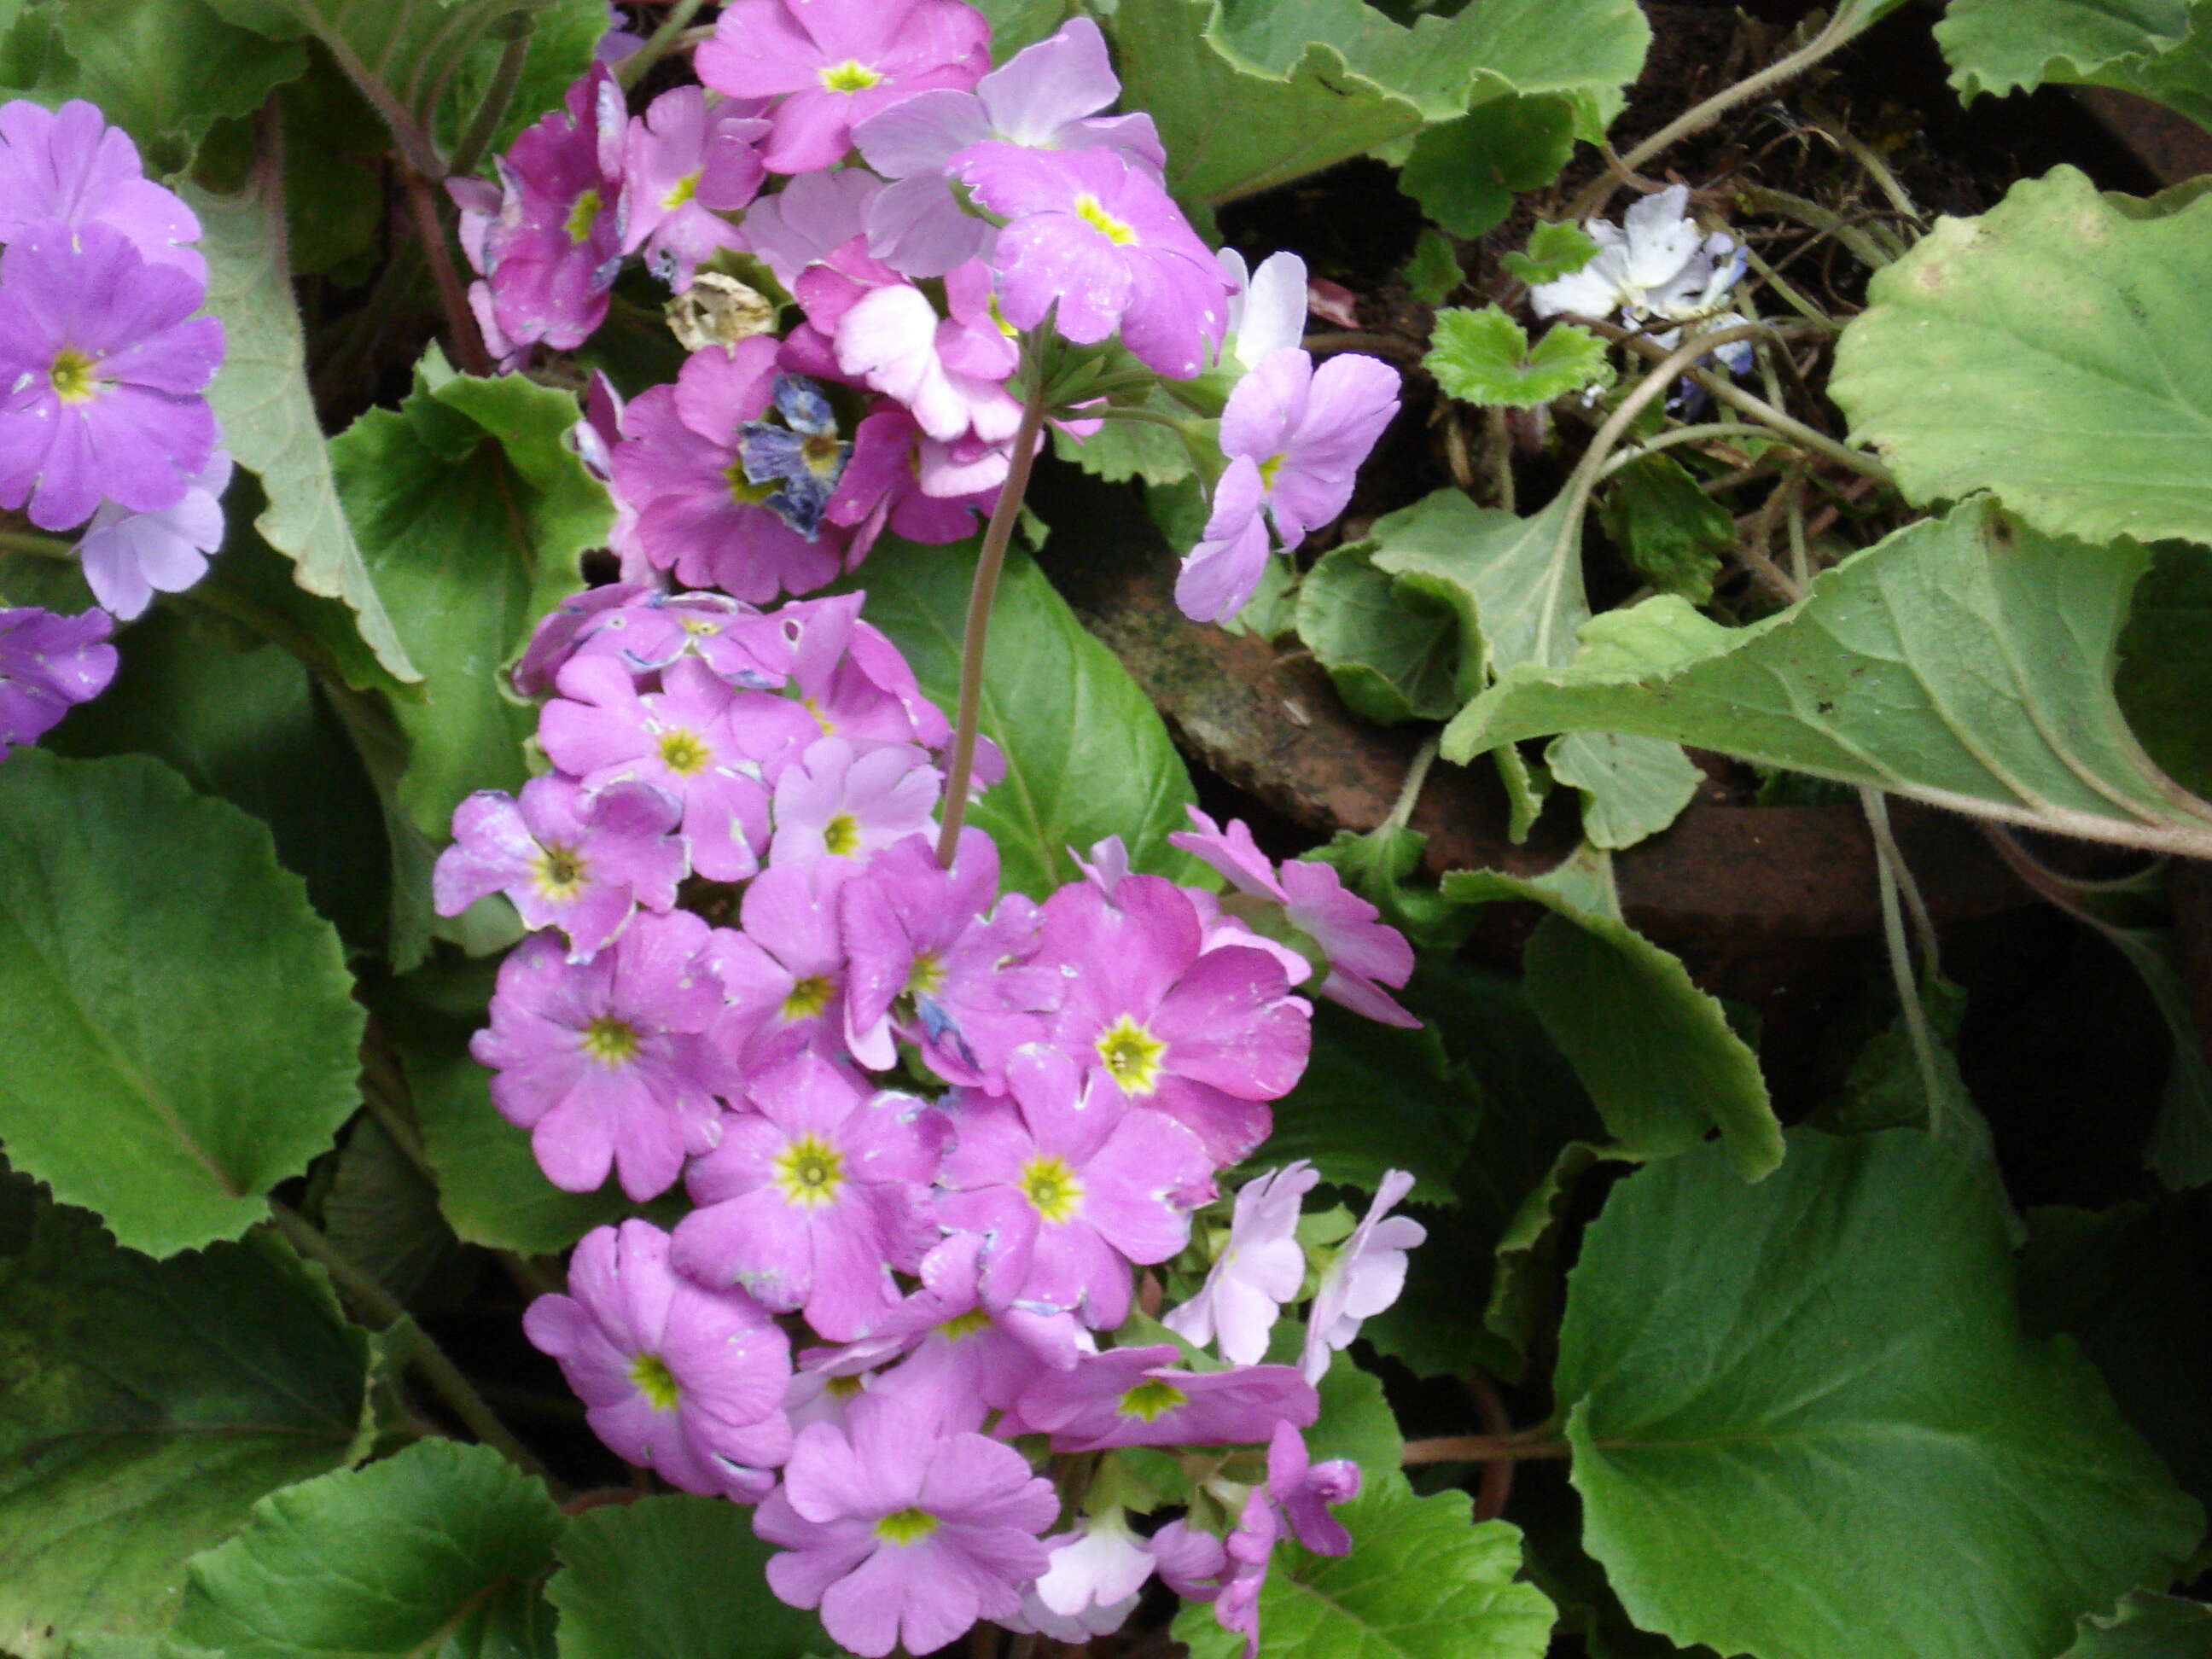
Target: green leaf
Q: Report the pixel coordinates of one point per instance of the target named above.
(2160, 683)
(1016, 24)
(1484, 357)
(1741, 1367)
(1967, 661)
(1087, 756)
(432, 1550)
(1355, 1421)
(1374, 1098)
(1420, 1583)
(2146, 1626)
(1434, 272)
(2013, 46)
(1657, 1053)
(381, 1214)
(1464, 172)
(1523, 577)
(473, 517)
(1668, 529)
(1395, 655)
(679, 1578)
(1121, 449)
(564, 41)
(1632, 788)
(269, 422)
(2051, 351)
(179, 1023)
(1554, 251)
(125, 56)
(148, 1404)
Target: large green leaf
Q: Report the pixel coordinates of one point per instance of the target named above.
(1087, 756)
(2051, 351)
(1632, 787)
(679, 1577)
(1394, 657)
(2013, 46)
(1464, 172)
(1806, 1425)
(2146, 1626)
(268, 414)
(179, 1027)
(1967, 661)
(1420, 1583)
(2162, 654)
(435, 1550)
(1657, 1053)
(473, 518)
(146, 1406)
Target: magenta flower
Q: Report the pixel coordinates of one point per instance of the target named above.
(1071, 1187)
(697, 513)
(837, 61)
(581, 863)
(685, 163)
(1362, 949)
(647, 630)
(48, 664)
(1368, 1273)
(855, 682)
(1138, 1397)
(816, 1196)
(128, 557)
(881, 488)
(101, 365)
(1245, 1552)
(68, 166)
(784, 974)
(1207, 1037)
(697, 739)
(1260, 1268)
(1096, 242)
(928, 961)
(1295, 436)
(686, 1381)
(903, 1538)
(606, 1063)
(1303, 1489)
(950, 371)
(845, 801)
(551, 256)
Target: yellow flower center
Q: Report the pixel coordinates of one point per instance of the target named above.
(851, 76)
(1052, 1188)
(821, 452)
(743, 490)
(829, 726)
(1132, 1054)
(71, 376)
(965, 1325)
(809, 1171)
(808, 997)
(684, 752)
(655, 1381)
(927, 976)
(583, 217)
(557, 873)
(1270, 467)
(696, 626)
(1093, 213)
(842, 836)
(844, 1387)
(906, 1526)
(685, 189)
(1151, 1400)
(611, 1041)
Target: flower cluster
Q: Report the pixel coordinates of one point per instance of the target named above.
(941, 1145)
(103, 366)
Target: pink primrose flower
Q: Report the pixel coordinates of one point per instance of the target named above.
(1303, 1489)
(1139, 1397)
(550, 256)
(784, 973)
(686, 162)
(128, 557)
(881, 488)
(67, 166)
(1260, 1268)
(811, 215)
(842, 800)
(49, 663)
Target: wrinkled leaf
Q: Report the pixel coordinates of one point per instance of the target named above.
(1522, 577)
(1554, 250)
(1395, 655)
(1668, 529)
(1464, 174)
(1484, 357)
(2013, 46)
(1632, 788)
(124, 56)
(1434, 272)
(2146, 1626)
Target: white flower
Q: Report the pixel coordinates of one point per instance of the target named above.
(1260, 1267)
(1656, 263)
(1365, 1278)
(1267, 307)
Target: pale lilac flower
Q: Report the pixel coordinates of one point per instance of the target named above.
(129, 556)
(1266, 308)
(809, 218)
(581, 863)
(815, 1196)
(1245, 1552)
(697, 513)
(686, 1381)
(606, 1063)
(1298, 433)
(1094, 241)
(49, 663)
(551, 255)
(835, 62)
(1294, 1502)
(1047, 96)
(1141, 1397)
(1368, 1273)
(881, 488)
(849, 803)
(784, 974)
(648, 630)
(950, 371)
(1260, 1268)
(1206, 1037)
(1098, 1571)
(68, 166)
(1071, 1187)
(928, 960)
(1364, 952)
(620, 41)
(707, 745)
(686, 162)
(1189, 1561)
(824, 1397)
(1303, 1489)
(562, 632)
(903, 1538)
(101, 368)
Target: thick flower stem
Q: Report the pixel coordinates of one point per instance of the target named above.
(975, 635)
(414, 1345)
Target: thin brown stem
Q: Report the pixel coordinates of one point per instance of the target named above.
(977, 635)
(1482, 1448)
(1497, 441)
(1495, 1487)
(460, 321)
